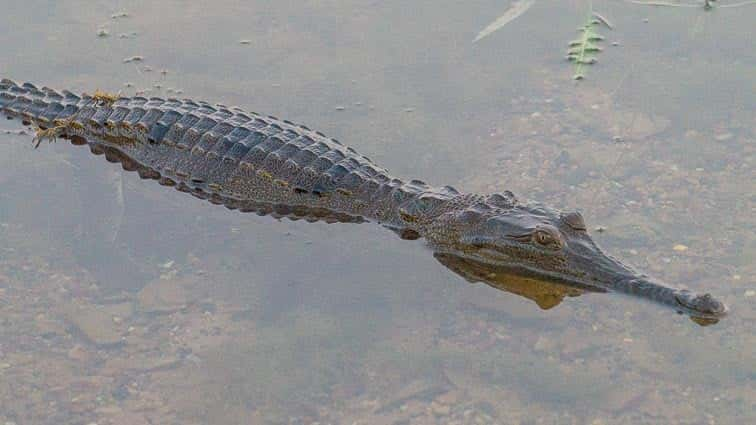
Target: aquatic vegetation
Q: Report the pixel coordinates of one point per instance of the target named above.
(49, 134)
(665, 4)
(104, 98)
(733, 5)
(583, 50)
(707, 4)
(515, 11)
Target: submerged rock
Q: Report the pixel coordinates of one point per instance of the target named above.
(95, 323)
(163, 296)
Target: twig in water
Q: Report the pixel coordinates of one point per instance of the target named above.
(603, 20)
(515, 11)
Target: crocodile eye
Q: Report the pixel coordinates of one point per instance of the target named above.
(547, 238)
(543, 238)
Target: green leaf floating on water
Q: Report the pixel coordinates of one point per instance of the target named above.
(583, 50)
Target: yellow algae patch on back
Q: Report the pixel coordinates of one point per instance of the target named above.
(104, 98)
(50, 134)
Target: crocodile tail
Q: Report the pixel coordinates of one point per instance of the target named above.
(41, 106)
(8, 95)
(24, 101)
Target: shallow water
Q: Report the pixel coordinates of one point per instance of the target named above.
(124, 302)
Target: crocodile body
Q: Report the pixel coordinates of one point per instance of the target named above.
(242, 160)
(255, 163)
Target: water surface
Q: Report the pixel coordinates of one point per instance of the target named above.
(124, 302)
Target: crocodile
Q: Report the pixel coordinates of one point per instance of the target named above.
(262, 164)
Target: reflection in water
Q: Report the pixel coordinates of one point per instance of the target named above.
(544, 293)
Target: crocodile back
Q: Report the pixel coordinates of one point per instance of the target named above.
(240, 159)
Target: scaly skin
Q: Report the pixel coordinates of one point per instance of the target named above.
(265, 165)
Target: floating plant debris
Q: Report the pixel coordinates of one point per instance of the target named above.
(603, 20)
(133, 59)
(515, 11)
(583, 50)
(706, 5)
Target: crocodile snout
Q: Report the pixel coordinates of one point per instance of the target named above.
(704, 304)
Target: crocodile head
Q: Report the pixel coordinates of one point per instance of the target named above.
(538, 241)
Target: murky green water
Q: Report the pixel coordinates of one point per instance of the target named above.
(122, 302)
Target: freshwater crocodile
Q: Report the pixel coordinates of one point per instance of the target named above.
(254, 163)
